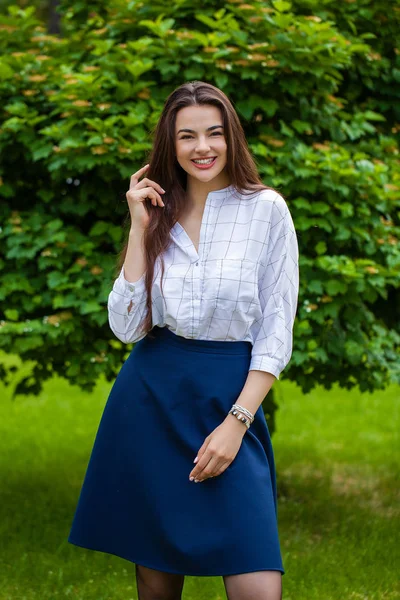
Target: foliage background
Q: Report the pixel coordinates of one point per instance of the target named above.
(316, 85)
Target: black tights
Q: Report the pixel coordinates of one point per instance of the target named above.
(260, 585)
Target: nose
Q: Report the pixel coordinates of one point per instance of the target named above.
(202, 145)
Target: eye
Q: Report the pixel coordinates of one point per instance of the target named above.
(188, 137)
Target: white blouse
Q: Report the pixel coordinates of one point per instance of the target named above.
(242, 284)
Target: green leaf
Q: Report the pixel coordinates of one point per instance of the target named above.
(334, 287)
(374, 116)
(301, 126)
(312, 345)
(321, 247)
(320, 208)
(354, 351)
(303, 325)
(123, 91)
(6, 71)
(207, 20)
(56, 279)
(99, 228)
(281, 5)
(139, 66)
(194, 72)
(282, 21)
(115, 232)
(17, 108)
(12, 314)
(89, 307)
(221, 79)
(42, 152)
(73, 370)
(315, 285)
(29, 342)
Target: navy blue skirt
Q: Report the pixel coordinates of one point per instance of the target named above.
(136, 500)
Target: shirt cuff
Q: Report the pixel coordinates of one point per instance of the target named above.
(265, 363)
(129, 289)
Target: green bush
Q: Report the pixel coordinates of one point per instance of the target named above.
(315, 84)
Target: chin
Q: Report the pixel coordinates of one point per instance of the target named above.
(205, 176)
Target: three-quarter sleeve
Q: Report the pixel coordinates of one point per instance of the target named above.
(126, 306)
(279, 290)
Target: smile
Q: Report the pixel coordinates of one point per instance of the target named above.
(204, 163)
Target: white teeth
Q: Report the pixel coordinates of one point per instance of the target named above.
(204, 161)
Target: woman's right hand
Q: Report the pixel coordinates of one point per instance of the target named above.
(138, 192)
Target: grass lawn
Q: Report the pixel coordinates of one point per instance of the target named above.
(337, 457)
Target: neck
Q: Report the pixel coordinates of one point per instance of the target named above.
(197, 191)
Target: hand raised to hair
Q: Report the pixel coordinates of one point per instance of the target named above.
(138, 192)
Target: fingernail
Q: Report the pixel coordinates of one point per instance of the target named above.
(196, 480)
(191, 478)
(163, 190)
(196, 459)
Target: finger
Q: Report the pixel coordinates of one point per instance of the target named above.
(199, 466)
(147, 193)
(209, 470)
(202, 449)
(203, 462)
(217, 469)
(222, 468)
(135, 176)
(154, 196)
(145, 182)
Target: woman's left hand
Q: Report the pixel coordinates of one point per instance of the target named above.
(219, 449)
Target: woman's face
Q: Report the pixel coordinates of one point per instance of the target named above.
(199, 134)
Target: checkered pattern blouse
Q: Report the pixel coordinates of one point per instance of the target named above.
(242, 284)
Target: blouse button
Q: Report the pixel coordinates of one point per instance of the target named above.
(131, 288)
(197, 264)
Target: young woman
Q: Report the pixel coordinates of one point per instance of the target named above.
(181, 479)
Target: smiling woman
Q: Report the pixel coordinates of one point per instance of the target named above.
(205, 147)
(201, 147)
(212, 257)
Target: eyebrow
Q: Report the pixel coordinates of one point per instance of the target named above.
(208, 129)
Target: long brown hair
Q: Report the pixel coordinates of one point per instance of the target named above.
(167, 172)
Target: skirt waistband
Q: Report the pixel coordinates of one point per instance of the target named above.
(213, 346)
